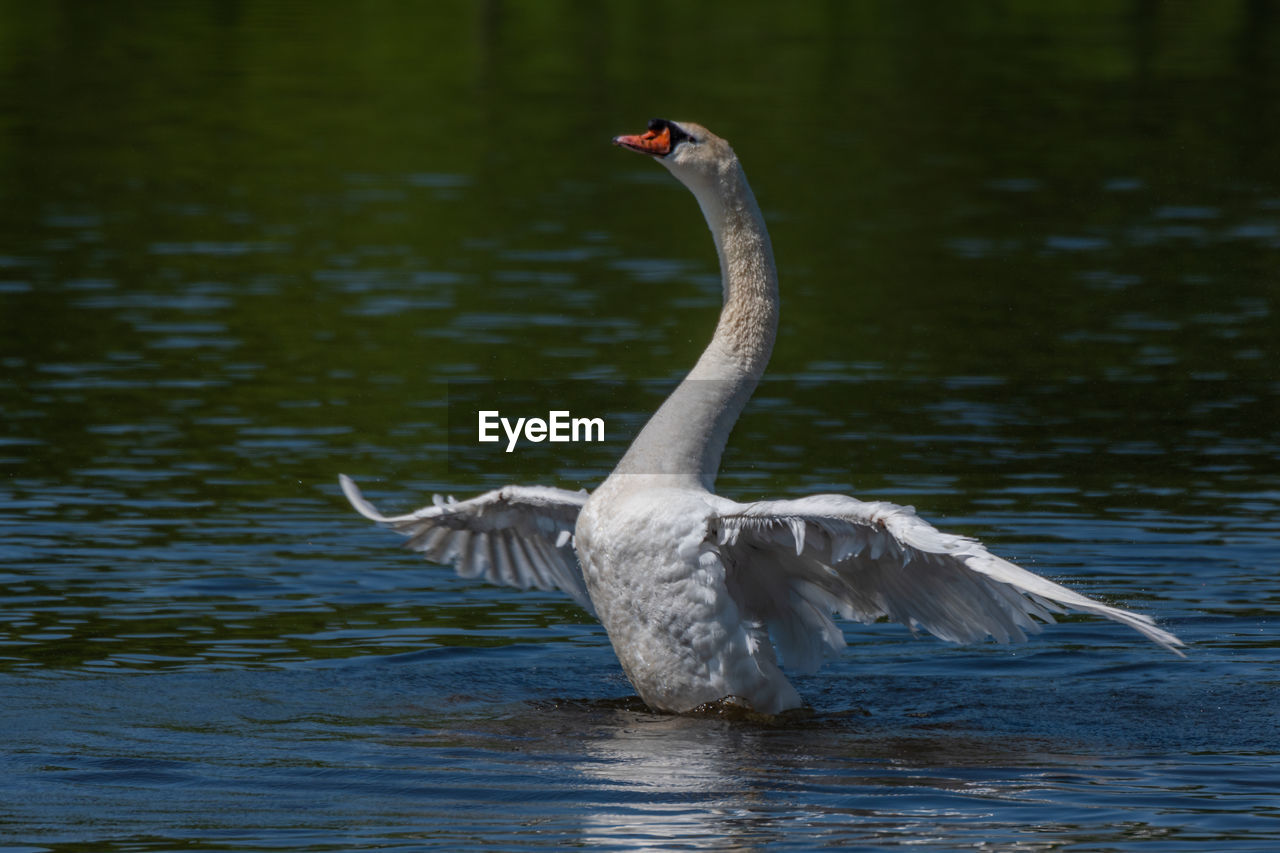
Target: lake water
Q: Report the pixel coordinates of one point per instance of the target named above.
(1029, 257)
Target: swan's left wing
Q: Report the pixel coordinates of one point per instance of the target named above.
(792, 564)
(519, 536)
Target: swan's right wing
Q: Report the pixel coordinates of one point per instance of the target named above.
(792, 563)
(519, 536)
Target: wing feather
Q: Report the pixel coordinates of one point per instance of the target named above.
(519, 536)
(865, 561)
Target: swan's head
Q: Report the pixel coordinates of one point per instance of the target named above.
(694, 154)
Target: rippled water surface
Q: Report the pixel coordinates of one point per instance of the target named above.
(1029, 258)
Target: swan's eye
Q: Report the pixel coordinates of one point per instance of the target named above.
(679, 135)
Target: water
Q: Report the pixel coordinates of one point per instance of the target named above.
(1029, 262)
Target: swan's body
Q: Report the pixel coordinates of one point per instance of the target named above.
(694, 590)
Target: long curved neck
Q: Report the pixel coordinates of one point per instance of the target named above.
(685, 438)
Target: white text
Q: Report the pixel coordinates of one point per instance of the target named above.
(558, 426)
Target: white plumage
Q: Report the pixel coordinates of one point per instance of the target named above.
(514, 536)
(697, 591)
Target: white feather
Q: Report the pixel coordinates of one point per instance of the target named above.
(517, 536)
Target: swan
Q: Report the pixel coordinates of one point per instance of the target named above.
(704, 599)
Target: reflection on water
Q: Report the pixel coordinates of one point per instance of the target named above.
(684, 785)
(433, 749)
(1028, 260)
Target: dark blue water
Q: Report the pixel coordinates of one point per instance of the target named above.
(1029, 267)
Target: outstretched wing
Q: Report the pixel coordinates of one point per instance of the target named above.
(518, 536)
(793, 563)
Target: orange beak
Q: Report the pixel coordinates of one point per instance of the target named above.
(655, 142)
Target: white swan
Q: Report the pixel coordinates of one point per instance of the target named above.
(691, 587)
